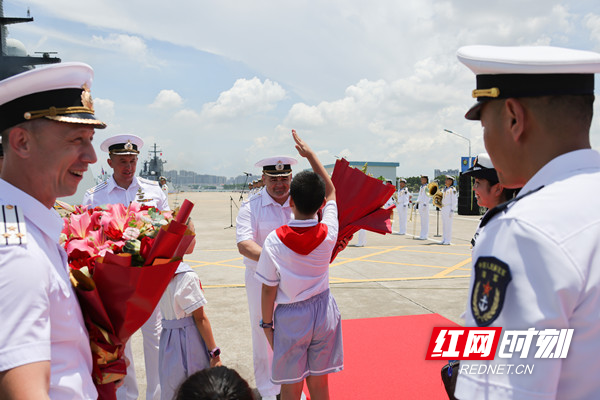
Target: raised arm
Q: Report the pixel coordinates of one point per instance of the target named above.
(316, 165)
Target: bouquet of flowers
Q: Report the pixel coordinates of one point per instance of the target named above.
(359, 200)
(121, 259)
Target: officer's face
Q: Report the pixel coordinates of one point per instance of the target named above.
(423, 181)
(61, 153)
(487, 195)
(124, 167)
(449, 182)
(278, 187)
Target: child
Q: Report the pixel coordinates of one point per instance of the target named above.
(219, 383)
(305, 331)
(187, 344)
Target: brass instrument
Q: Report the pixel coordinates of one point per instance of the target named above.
(434, 191)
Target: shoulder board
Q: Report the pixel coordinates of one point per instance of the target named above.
(503, 207)
(99, 186)
(12, 226)
(148, 181)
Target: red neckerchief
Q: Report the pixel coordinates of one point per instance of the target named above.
(302, 240)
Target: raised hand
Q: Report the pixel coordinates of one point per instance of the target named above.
(301, 146)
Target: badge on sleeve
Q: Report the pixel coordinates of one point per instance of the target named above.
(492, 277)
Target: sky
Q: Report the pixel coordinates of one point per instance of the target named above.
(218, 85)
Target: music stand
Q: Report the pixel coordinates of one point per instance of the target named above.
(244, 187)
(438, 223)
(231, 203)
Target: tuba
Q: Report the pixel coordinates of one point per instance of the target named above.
(434, 191)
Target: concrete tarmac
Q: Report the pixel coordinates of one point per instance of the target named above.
(391, 275)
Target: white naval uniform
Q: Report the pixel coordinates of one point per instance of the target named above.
(449, 206)
(41, 317)
(258, 217)
(402, 206)
(550, 246)
(423, 201)
(149, 193)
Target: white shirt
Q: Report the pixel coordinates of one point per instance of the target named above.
(423, 199)
(299, 277)
(41, 318)
(258, 217)
(403, 197)
(450, 199)
(551, 248)
(182, 296)
(140, 190)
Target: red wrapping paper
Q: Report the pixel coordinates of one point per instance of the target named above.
(359, 200)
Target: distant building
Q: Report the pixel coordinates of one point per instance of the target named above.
(187, 178)
(374, 168)
(437, 172)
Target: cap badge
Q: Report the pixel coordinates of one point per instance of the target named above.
(279, 166)
(86, 98)
(128, 145)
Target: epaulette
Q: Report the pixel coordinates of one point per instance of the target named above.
(148, 181)
(255, 196)
(502, 207)
(12, 226)
(99, 186)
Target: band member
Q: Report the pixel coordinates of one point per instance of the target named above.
(402, 204)
(423, 207)
(449, 206)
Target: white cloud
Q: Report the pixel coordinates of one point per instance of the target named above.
(133, 47)
(104, 109)
(167, 99)
(246, 97)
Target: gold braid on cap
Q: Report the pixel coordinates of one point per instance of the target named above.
(87, 106)
(53, 112)
(493, 92)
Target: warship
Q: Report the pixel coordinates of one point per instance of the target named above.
(153, 168)
(14, 57)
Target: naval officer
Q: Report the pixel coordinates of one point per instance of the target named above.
(449, 206)
(536, 263)
(124, 187)
(423, 207)
(264, 212)
(47, 125)
(402, 202)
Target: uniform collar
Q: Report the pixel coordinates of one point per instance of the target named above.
(112, 184)
(303, 223)
(47, 220)
(562, 167)
(267, 200)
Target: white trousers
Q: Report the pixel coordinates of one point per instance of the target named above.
(261, 350)
(362, 238)
(424, 214)
(447, 225)
(402, 218)
(151, 336)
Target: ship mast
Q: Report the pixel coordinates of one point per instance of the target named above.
(12, 64)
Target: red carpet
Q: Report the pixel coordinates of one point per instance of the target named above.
(384, 358)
